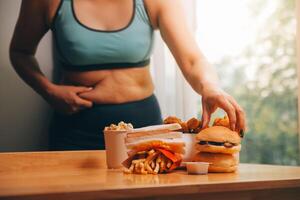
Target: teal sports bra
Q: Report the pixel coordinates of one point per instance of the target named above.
(80, 48)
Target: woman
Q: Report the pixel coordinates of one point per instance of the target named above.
(104, 48)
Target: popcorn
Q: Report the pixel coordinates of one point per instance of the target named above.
(122, 126)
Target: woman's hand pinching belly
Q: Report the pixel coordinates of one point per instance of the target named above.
(102, 95)
(65, 99)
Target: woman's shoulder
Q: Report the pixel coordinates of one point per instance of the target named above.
(51, 9)
(44, 8)
(155, 7)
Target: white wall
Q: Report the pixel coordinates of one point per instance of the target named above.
(24, 115)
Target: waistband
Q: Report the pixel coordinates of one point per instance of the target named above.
(105, 66)
(142, 101)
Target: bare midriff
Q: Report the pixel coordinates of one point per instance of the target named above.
(113, 86)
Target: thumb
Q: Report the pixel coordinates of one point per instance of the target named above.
(84, 103)
(205, 117)
(83, 89)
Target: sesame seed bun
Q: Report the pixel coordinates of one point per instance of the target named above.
(218, 134)
(218, 162)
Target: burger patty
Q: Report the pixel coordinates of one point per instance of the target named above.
(225, 144)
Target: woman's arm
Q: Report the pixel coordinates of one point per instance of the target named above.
(194, 66)
(30, 28)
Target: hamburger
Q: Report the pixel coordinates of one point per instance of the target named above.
(218, 139)
(218, 162)
(154, 149)
(218, 145)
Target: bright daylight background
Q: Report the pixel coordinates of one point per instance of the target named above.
(252, 44)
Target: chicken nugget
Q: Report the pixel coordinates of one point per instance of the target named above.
(184, 127)
(222, 122)
(199, 128)
(171, 120)
(193, 123)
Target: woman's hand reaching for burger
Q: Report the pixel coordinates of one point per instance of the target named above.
(66, 100)
(194, 66)
(212, 98)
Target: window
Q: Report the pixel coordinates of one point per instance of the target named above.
(252, 43)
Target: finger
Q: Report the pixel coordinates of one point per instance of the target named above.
(240, 115)
(205, 117)
(82, 89)
(230, 110)
(83, 103)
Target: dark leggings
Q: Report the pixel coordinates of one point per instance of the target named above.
(84, 130)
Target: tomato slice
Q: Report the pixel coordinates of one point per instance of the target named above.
(169, 154)
(175, 158)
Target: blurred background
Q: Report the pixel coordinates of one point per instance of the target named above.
(251, 43)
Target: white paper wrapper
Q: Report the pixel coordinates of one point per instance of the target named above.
(190, 141)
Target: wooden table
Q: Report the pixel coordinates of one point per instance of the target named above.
(83, 175)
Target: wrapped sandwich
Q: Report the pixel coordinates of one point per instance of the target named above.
(154, 149)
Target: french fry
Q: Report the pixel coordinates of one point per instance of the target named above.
(152, 164)
(138, 160)
(158, 159)
(156, 170)
(127, 171)
(151, 161)
(162, 166)
(169, 164)
(142, 166)
(137, 168)
(164, 163)
(152, 156)
(141, 152)
(148, 168)
(131, 167)
(151, 152)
